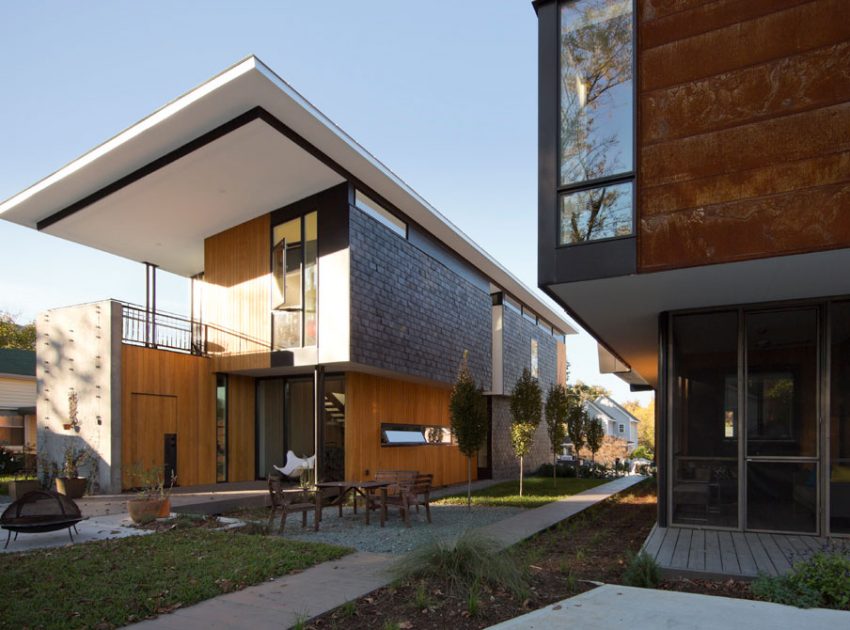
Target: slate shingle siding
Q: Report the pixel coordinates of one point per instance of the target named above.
(409, 312)
(516, 350)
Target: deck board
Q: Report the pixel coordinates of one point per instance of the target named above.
(760, 555)
(668, 546)
(692, 551)
(745, 555)
(696, 558)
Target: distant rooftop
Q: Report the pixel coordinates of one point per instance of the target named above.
(18, 362)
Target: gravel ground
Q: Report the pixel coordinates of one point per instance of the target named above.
(352, 531)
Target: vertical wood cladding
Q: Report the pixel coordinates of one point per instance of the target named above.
(744, 129)
(167, 392)
(371, 400)
(236, 298)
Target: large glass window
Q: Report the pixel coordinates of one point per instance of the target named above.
(295, 282)
(596, 120)
(839, 426)
(333, 431)
(221, 427)
(705, 414)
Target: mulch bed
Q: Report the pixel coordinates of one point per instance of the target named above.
(593, 546)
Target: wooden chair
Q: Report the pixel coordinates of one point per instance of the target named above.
(407, 489)
(291, 499)
(419, 493)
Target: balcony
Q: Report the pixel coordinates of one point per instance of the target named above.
(164, 331)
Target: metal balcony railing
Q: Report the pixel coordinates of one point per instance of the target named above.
(155, 329)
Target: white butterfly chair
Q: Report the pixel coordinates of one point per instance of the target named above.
(295, 465)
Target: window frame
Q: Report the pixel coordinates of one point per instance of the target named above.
(302, 307)
(222, 382)
(619, 178)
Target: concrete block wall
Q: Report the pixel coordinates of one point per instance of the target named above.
(410, 313)
(78, 350)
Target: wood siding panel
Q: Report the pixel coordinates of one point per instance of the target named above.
(237, 296)
(743, 130)
(371, 400)
(148, 375)
(240, 428)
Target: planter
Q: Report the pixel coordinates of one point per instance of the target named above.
(146, 510)
(20, 487)
(73, 488)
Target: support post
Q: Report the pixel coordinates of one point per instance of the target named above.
(318, 420)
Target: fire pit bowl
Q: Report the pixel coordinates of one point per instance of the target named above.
(40, 511)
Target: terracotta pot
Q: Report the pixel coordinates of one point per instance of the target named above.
(146, 510)
(20, 487)
(164, 508)
(71, 487)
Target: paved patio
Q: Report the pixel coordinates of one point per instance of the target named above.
(97, 528)
(611, 606)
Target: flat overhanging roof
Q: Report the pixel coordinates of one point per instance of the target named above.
(236, 147)
(623, 311)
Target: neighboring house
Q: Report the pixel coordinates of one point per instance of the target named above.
(694, 215)
(17, 399)
(620, 423)
(331, 305)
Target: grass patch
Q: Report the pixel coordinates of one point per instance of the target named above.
(4, 483)
(537, 491)
(115, 582)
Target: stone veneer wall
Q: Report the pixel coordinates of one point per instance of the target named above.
(410, 313)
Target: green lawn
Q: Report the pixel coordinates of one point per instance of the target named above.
(114, 582)
(537, 491)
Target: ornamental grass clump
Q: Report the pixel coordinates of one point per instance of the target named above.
(463, 564)
(642, 571)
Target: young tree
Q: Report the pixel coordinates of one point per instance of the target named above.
(15, 335)
(576, 421)
(526, 410)
(594, 434)
(556, 418)
(469, 419)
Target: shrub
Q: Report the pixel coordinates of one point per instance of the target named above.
(561, 470)
(822, 581)
(10, 462)
(642, 571)
(464, 563)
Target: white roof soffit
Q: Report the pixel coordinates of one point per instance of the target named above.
(623, 311)
(232, 171)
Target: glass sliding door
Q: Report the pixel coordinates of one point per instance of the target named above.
(704, 384)
(782, 387)
(839, 421)
(299, 434)
(333, 430)
(269, 426)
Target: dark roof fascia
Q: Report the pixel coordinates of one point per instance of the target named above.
(17, 362)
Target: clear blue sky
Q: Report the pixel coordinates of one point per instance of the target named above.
(443, 92)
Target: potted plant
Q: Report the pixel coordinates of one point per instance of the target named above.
(24, 481)
(69, 482)
(154, 498)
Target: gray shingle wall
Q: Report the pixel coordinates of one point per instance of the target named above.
(410, 313)
(518, 333)
(505, 464)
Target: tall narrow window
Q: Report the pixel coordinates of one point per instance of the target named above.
(596, 169)
(295, 282)
(221, 427)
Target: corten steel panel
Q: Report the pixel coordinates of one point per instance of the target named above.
(744, 130)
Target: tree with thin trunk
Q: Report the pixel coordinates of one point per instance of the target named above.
(595, 435)
(468, 411)
(556, 419)
(526, 412)
(577, 421)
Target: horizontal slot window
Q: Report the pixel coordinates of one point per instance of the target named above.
(380, 214)
(414, 435)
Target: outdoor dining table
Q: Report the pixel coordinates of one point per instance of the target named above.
(363, 488)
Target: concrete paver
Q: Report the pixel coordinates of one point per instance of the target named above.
(612, 606)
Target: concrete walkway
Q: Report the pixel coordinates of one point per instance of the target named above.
(613, 606)
(97, 528)
(285, 601)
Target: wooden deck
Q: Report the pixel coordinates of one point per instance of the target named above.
(684, 551)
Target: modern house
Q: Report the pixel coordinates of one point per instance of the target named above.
(694, 215)
(618, 423)
(17, 399)
(331, 305)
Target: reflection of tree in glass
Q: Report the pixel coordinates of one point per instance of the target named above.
(587, 219)
(596, 48)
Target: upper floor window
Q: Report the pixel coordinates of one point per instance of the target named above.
(380, 214)
(294, 282)
(596, 120)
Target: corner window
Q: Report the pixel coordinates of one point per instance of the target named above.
(380, 214)
(596, 165)
(414, 435)
(294, 282)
